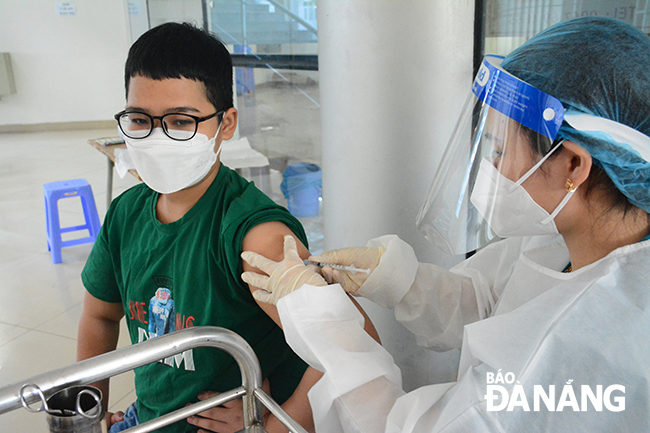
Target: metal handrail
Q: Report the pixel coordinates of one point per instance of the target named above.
(128, 358)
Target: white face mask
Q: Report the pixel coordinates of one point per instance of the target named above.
(506, 205)
(168, 165)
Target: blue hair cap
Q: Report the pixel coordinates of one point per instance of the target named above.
(598, 66)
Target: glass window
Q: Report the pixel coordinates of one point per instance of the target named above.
(510, 23)
(274, 45)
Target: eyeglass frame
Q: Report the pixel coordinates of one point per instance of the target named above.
(197, 120)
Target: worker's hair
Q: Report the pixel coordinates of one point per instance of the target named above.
(174, 50)
(599, 66)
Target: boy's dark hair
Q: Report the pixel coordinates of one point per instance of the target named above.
(174, 50)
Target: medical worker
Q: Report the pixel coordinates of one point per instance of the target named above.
(552, 154)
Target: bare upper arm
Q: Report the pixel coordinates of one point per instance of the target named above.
(267, 239)
(101, 310)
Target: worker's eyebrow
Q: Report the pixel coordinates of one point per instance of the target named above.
(492, 137)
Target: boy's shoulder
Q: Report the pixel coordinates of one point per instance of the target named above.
(135, 193)
(133, 199)
(249, 207)
(242, 192)
(244, 196)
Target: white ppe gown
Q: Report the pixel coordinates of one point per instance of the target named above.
(570, 352)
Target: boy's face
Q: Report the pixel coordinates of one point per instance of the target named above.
(179, 95)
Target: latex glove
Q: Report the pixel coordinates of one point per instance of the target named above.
(361, 258)
(283, 277)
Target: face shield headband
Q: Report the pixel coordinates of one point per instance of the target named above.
(506, 123)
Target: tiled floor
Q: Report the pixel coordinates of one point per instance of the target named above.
(40, 303)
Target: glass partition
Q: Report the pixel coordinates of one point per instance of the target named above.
(510, 23)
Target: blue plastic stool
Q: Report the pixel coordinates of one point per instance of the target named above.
(55, 191)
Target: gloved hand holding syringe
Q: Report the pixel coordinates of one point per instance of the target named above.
(351, 268)
(292, 272)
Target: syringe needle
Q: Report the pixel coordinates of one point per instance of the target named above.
(351, 268)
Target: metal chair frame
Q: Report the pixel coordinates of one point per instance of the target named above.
(128, 358)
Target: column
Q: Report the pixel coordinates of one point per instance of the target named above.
(394, 75)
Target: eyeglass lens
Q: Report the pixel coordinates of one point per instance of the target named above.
(139, 125)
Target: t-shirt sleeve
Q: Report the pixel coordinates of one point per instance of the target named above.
(253, 207)
(283, 368)
(99, 274)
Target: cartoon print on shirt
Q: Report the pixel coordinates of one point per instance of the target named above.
(162, 317)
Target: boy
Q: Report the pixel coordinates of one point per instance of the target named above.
(168, 255)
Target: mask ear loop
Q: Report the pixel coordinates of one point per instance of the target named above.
(215, 138)
(530, 172)
(559, 207)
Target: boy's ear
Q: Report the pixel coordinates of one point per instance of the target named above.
(229, 124)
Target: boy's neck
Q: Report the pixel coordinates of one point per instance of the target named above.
(172, 207)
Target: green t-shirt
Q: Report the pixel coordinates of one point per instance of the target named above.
(187, 273)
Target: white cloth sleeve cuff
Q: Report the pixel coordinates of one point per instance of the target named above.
(393, 277)
(324, 327)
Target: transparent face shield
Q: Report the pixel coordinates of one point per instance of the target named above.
(504, 131)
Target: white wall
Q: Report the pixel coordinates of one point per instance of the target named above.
(393, 78)
(164, 11)
(67, 69)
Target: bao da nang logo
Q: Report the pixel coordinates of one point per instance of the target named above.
(551, 398)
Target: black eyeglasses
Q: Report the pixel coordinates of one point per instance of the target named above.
(177, 126)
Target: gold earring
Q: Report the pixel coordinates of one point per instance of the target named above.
(569, 186)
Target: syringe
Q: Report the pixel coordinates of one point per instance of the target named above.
(351, 269)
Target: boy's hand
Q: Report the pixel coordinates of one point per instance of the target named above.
(227, 418)
(112, 418)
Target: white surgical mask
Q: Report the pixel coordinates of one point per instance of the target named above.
(506, 205)
(168, 165)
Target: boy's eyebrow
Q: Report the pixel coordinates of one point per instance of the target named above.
(130, 108)
(184, 109)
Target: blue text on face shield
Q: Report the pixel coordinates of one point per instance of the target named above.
(516, 99)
